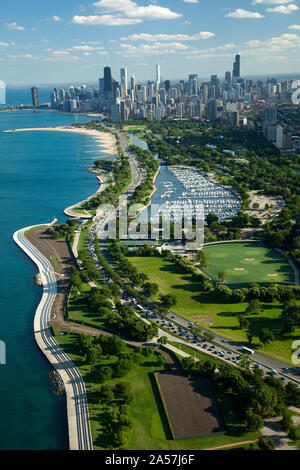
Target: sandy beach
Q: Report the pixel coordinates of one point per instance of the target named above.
(107, 141)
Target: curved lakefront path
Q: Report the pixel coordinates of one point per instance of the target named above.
(80, 437)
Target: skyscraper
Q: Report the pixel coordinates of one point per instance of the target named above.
(35, 97)
(237, 67)
(132, 82)
(228, 77)
(124, 83)
(212, 110)
(158, 76)
(108, 86)
(2, 92)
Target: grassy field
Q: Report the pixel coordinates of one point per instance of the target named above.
(150, 429)
(56, 263)
(201, 307)
(248, 262)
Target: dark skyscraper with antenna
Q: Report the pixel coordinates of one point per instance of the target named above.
(108, 83)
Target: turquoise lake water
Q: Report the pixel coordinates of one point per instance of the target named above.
(41, 173)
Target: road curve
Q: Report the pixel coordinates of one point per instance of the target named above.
(80, 437)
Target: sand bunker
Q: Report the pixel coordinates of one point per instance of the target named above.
(272, 275)
(249, 259)
(239, 269)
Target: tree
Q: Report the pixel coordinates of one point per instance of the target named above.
(106, 394)
(263, 444)
(249, 337)
(253, 421)
(162, 340)
(168, 301)
(203, 258)
(286, 421)
(264, 400)
(253, 307)
(150, 289)
(243, 321)
(121, 389)
(161, 360)
(105, 373)
(266, 336)
(222, 275)
(94, 354)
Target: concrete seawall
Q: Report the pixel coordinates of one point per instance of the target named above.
(77, 408)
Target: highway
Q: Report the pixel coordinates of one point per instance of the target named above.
(80, 437)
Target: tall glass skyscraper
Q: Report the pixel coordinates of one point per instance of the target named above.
(237, 67)
(108, 84)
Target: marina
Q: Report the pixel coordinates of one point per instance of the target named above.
(188, 192)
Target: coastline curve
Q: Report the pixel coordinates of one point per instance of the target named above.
(80, 437)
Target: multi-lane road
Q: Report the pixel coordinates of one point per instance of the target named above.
(80, 437)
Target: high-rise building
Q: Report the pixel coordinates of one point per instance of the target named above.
(35, 97)
(2, 92)
(124, 83)
(123, 111)
(108, 83)
(212, 110)
(132, 83)
(158, 75)
(237, 67)
(235, 118)
(279, 137)
(270, 115)
(167, 85)
(214, 80)
(228, 77)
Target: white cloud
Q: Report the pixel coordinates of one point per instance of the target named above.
(61, 53)
(271, 2)
(240, 13)
(21, 56)
(168, 37)
(14, 26)
(191, 1)
(86, 48)
(157, 48)
(4, 44)
(107, 20)
(277, 43)
(56, 18)
(131, 9)
(295, 26)
(62, 58)
(285, 10)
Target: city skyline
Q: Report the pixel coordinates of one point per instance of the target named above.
(183, 34)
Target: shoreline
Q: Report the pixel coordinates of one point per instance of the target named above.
(77, 408)
(103, 183)
(108, 141)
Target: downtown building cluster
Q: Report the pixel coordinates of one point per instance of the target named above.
(229, 100)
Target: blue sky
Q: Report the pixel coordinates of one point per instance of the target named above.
(43, 41)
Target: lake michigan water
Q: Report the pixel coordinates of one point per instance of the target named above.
(41, 173)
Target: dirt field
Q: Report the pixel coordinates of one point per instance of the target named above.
(191, 403)
(264, 214)
(59, 249)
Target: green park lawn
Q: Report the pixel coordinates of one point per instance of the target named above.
(201, 307)
(247, 262)
(150, 428)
